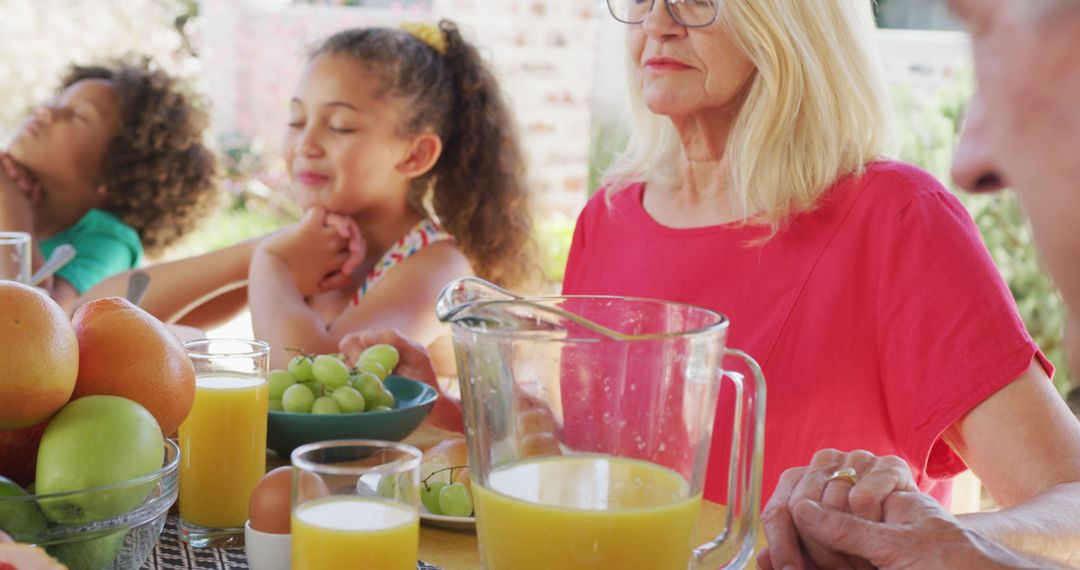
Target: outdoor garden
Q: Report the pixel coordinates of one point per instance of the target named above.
(38, 42)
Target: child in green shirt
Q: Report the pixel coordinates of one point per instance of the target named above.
(115, 164)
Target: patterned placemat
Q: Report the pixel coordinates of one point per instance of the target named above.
(170, 553)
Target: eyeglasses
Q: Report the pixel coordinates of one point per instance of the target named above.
(689, 13)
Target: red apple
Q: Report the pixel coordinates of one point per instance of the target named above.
(18, 453)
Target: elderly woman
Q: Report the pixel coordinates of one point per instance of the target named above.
(753, 184)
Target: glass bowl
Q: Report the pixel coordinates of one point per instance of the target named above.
(285, 431)
(120, 525)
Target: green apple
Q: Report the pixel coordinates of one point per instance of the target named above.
(95, 441)
(92, 554)
(21, 519)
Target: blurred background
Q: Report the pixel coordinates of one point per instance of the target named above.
(560, 61)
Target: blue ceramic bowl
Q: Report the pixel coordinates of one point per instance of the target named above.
(285, 431)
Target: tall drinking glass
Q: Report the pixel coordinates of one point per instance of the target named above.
(355, 500)
(590, 421)
(223, 440)
(15, 260)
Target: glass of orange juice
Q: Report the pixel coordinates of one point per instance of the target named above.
(223, 440)
(355, 500)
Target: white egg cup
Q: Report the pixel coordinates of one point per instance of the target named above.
(266, 551)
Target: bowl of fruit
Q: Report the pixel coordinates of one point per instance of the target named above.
(109, 527)
(320, 398)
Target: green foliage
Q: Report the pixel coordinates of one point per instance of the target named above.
(927, 130)
(257, 204)
(245, 219)
(553, 234)
(608, 135)
(40, 40)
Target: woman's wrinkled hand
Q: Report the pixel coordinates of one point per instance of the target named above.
(915, 534)
(876, 478)
(414, 362)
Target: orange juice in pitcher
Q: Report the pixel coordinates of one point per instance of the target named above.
(603, 512)
(623, 394)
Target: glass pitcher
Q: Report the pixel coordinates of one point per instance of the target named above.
(589, 421)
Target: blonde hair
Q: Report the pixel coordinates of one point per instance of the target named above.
(816, 109)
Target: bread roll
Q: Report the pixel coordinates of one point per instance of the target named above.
(451, 452)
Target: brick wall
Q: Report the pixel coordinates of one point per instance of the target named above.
(542, 51)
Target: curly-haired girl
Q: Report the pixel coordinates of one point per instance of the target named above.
(402, 152)
(114, 165)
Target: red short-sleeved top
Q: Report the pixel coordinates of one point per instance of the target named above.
(879, 318)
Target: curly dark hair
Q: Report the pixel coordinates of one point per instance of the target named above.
(161, 179)
(477, 188)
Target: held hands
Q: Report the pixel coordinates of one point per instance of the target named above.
(876, 478)
(879, 521)
(415, 363)
(322, 251)
(916, 533)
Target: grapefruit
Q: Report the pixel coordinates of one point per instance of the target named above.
(124, 351)
(39, 356)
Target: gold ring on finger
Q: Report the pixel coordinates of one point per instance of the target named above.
(847, 473)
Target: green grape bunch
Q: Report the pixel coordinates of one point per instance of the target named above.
(449, 499)
(325, 384)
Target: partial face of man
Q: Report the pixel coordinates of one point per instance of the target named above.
(1024, 128)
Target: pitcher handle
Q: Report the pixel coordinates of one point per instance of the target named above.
(734, 548)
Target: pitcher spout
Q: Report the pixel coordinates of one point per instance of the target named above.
(460, 294)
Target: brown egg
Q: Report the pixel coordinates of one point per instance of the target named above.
(268, 508)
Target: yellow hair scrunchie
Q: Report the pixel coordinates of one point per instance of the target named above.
(430, 34)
